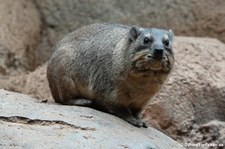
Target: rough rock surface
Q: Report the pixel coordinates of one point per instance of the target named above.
(187, 17)
(193, 100)
(27, 123)
(20, 27)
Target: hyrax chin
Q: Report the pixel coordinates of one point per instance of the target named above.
(110, 67)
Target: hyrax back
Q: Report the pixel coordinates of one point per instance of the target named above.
(111, 67)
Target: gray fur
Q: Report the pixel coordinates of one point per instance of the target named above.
(107, 67)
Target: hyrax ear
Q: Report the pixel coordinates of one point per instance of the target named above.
(134, 33)
(171, 35)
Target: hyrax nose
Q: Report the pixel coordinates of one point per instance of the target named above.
(158, 53)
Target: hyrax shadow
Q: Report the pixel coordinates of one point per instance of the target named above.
(111, 67)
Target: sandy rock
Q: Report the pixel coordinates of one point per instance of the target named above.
(34, 83)
(4, 54)
(212, 132)
(37, 84)
(26, 123)
(19, 33)
(195, 92)
(187, 17)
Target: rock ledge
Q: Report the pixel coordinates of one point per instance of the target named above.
(27, 122)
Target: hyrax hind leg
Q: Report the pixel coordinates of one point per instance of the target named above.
(78, 102)
(127, 115)
(69, 94)
(72, 99)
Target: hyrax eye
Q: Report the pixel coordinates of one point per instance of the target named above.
(166, 42)
(147, 40)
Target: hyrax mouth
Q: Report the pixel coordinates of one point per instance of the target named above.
(155, 63)
(145, 61)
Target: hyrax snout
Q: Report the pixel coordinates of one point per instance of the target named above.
(111, 67)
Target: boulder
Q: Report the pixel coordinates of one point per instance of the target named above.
(27, 123)
(19, 34)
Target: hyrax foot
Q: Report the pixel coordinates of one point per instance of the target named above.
(144, 125)
(126, 114)
(136, 113)
(79, 102)
(137, 123)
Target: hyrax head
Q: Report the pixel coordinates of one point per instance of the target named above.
(151, 49)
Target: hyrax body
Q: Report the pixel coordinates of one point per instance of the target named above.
(110, 67)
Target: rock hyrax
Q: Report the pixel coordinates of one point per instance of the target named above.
(111, 67)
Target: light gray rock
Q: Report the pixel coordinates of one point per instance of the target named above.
(28, 123)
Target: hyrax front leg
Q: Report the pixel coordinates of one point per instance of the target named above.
(126, 114)
(136, 113)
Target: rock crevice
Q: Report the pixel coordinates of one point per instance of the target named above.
(24, 120)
